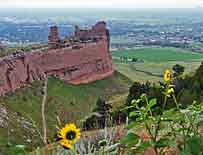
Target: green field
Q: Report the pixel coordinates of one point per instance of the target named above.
(71, 103)
(151, 71)
(158, 54)
(156, 60)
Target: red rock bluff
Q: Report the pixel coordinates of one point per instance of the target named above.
(81, 58)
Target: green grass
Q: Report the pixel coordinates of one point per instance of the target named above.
(71, 103)
(152, 71)
(156, 60)
(158, 54)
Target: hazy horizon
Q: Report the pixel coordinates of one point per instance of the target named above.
(125, 4)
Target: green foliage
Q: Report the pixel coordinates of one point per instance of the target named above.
(187, 89)
(130, 140)
(69, 102)
(99, 117)
(136, 90)
(178, 70)
(16, 150)
(102, 107)
(158, 54)
(178, 129)
(193, 146)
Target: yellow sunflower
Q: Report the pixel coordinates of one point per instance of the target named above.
(69, 135)
(167, 75)
(66, 144)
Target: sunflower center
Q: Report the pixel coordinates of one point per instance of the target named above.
(70, 135)
(168, 75)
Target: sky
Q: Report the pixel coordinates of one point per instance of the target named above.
(100, 3)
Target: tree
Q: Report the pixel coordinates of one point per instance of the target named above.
(178, 70)
(102, 107)
(104, 110)
(134, 59)
(100, 115)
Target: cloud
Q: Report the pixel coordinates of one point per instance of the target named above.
(100, 3)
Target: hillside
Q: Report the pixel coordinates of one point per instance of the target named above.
(69, 102)
(187, 90)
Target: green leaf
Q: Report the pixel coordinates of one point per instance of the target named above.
(133, 124)
(152, 103)
(164, 142)
(172, 114)
(128, 107)
(169, 113)
(194, 145)
(134, 114)
(16, 151)
(130, 140)
(143, 146)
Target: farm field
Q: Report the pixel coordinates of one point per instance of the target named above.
(151, 71)
(155, 61)
(158, 54)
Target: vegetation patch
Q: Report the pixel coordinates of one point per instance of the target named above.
(68, 102)
(152, 71)
(158, 54)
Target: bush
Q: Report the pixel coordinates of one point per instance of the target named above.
(99, 117)
(174, 130)
(178, 70)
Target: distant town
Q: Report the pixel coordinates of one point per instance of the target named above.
(135, 31)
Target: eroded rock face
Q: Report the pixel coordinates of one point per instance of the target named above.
(82, 62)
(53, 34)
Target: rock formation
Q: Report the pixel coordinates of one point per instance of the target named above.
(53, 35)
(81, 58)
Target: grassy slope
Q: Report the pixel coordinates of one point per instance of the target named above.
(156, 60)
(152, 71)
(159, 54)
(69, 102)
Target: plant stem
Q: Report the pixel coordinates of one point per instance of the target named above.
(35, 126)
(152, 137)
(184, 135)
(157, 128)
(147, 104)
(103, 151)
(165, 100)
(174, 98)
(157, 133)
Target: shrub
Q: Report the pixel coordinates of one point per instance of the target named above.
(178, 70)
(100, 116)
(174, 130)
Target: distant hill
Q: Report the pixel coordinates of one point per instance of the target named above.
(69, 102)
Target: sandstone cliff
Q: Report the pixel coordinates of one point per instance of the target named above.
(82, 58)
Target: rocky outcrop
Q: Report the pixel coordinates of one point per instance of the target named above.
(53, 35)
(82, 61)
